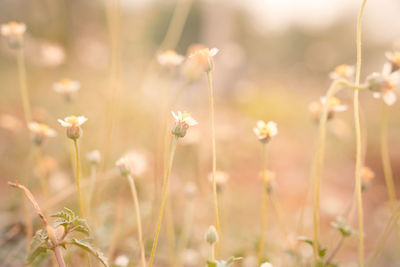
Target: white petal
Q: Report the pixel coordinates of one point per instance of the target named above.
(64, 124)
(214, 51)
(387, 69)
(33, 126)
(175, 116)
(340, 108)
(389, 97)
(260, 124)
(81, 120)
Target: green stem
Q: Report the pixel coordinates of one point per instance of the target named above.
(387, 169)
(264, 205)
(138, 218)
(23, 85)
(163, 200)
(78, 187)
(316, 169)
(214, 156)
(357, 126)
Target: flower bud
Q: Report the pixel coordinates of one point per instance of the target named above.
(211, 235)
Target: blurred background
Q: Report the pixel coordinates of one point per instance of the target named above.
(274, 60)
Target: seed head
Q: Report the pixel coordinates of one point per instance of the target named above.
(211, 235)
(183, 120)
(73, 125)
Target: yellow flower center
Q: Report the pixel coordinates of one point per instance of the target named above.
(72, 120)
(342, 70)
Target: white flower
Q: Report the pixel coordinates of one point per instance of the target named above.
(183, 120)
(334, 105)
(384, 84)
(122, 261)
(264, 131)
(40, 131)
(94, 157)
(343, 71)
(203, 57)
(221, 178)
(132, 163)
(67, 87)
(266, 264)
(73, 125)
(170, 58)
(394, 59)
(13, 29)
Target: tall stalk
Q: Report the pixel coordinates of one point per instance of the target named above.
(23, 84)
(214, 154)
(138, 218)
(357, 126)
(264, 205)
(163, 199)
(77, 175)
(387, 169)
(316, 169)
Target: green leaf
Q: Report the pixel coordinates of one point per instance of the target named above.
(85, 244)
(233, 260)
(211, 264)
(39, 246)
(223, 263)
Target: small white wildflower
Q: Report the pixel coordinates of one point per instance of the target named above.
(183, 120)
(170, 58)
(14, 33)
(94, 157)
(122, 261)
(73, 125)
(343, 71)
(384, 84)
(132, 163)
(40, 132)
(67, 88)
(265, 131)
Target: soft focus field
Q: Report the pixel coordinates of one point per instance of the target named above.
(270, 66)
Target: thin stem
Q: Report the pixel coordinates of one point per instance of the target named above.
(163, 199)
(281, 220)
(59, 257)
(387, 169)
(316, 169)
(138, 218)
(264, 205)
(335, 250)
(78, 187)
(214, 156)
(383, 237)
(357, 126)
(212, 252)
(23, 84)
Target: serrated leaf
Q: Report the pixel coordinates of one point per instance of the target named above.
(39, 246)
(233, 260)
(85, 244)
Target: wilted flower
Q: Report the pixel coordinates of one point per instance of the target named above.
(343, 71)
(264, 131)
(211, 235)
(221, 178)
(334, 106)
(202, 57)
(122, 261)
(384, 84)
(40, 132)
(67, 88)
(94, 157)
(394, 59)
(170, 58)
(73, 125)
(366, 177)
(132, 163)
(183, 120)
(14, 33)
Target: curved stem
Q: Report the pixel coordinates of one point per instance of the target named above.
(335, 250)
(23, 85)
(78, 187)
(138, 218)
(281, 220)
(357, 126)
(264, 205)
(316, 169)
(163, 199)
(214, 156)
(387, 169)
